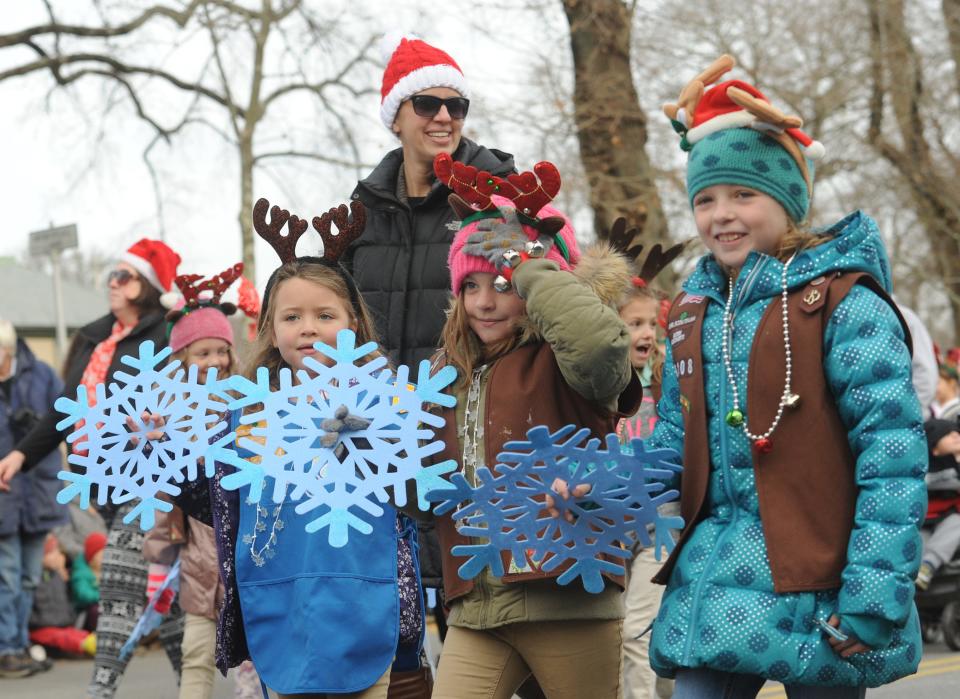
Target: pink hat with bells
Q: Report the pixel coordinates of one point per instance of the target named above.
(479, 196)
(199, 314)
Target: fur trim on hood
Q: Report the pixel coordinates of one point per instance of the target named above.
(602, 269)
(606, 271)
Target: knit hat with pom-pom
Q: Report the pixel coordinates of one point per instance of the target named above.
(413, 66)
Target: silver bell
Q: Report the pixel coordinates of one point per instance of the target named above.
(502, 284)
(512, 257)
(535, 249)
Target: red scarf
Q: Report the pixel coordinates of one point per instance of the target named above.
(96, 371)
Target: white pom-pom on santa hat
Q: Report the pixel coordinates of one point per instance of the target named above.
(813, 150)
(171, 299)
(390, 42)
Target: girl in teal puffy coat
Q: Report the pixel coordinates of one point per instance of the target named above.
(802, 510)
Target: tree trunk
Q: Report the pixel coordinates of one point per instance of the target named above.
(897, 78)
(246, 205)
(611, 126)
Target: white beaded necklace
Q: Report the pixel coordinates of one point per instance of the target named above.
(735, 417)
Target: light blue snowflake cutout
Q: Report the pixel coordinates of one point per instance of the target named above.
(106, 458)
(340, 486)
(504, 509)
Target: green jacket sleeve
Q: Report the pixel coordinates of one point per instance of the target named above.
(83, 584)
(591, 343)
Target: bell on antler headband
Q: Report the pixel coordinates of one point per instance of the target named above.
(656, 259)
(530, 193)
(349, 229)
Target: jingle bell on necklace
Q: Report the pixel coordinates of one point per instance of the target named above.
(734, 418)
(763, 445)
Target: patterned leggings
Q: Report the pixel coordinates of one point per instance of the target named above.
(123, 585)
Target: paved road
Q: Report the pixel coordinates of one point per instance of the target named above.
(149, 677)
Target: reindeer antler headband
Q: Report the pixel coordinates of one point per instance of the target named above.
(193, 285)
(621, 239)
(285, 245)
(473, 192)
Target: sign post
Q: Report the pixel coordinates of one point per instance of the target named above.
(52, 242)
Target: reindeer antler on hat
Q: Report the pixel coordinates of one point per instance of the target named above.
(700, 112)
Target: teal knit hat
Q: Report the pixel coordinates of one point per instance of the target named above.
(753, 159)
(735, 136)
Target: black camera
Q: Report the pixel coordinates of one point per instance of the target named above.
(22, 421)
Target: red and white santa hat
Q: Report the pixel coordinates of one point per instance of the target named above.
(155, 262)
(414, 65)
(716, 111)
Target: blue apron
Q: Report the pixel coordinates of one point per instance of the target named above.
(318, 619)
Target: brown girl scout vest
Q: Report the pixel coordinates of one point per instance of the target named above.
(527, 376)
(805, 485)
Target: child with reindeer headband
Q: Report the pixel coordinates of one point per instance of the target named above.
(316, 620)
(533, 345)
(787, 390)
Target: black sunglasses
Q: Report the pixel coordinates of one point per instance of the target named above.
(120, 276)
(429, 106)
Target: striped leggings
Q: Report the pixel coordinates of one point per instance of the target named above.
(123, 585)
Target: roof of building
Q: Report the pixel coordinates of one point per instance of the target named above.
(26, 299)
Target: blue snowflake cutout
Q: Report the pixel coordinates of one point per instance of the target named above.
(504, 508)
(341, 486)
(120, 468)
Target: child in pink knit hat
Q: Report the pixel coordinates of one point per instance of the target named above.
(200, 331)
(535, 342)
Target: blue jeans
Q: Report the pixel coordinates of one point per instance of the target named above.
(703, 683)
(21, 562)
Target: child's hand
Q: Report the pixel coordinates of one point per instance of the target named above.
(846, 648)
(154, 434)
(561, 488)
(502, 244)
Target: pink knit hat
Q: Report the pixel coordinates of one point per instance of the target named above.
(200, 324)
(462, 264)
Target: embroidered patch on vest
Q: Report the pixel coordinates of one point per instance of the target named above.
(811, 297)
(678, 336)
(818, 281)
(690, 298)
(684, 367)
(684, 403)
(683, 319)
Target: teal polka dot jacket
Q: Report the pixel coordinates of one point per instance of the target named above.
(719, 609)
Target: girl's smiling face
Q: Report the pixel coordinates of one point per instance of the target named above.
(305, 313)
(492, 315)
(734, 220)
(640, 317)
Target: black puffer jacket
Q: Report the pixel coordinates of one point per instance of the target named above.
(400, 262)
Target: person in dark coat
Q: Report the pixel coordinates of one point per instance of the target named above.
(29, 509)
(143, 273)
(400, 261)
